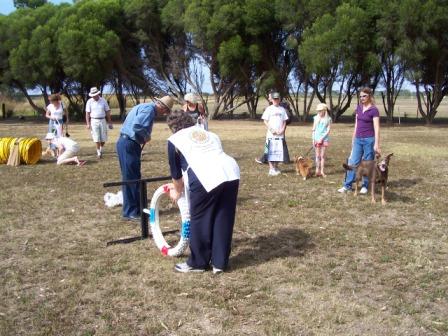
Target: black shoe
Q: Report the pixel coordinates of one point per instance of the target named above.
(131, 218)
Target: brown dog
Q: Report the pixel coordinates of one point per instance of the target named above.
(375, 172)
(303, 166)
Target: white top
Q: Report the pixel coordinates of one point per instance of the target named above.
(204, 154)
(69, 144)
(97, 109)
(56, 113)
(275, 115)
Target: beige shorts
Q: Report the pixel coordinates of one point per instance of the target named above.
(98, 128)
(66, 155)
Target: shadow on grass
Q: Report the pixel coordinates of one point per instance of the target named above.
(287, 242)
(404, 183)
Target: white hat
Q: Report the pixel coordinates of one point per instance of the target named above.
(93, 92)
(321, 107)
(49, 136)
(166, 101)
(191, 97)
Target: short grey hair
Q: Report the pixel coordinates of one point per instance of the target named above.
(178, 120)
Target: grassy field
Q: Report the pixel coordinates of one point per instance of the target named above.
(305, 260)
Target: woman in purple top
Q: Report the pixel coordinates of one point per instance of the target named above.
(366, 138)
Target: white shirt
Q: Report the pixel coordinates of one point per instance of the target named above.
(97, 109)
(56, 113)
(69, 144)
(204, 154)
(275, 115)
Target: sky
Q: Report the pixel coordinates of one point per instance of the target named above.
(7, 6)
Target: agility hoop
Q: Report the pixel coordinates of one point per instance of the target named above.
(154, 222)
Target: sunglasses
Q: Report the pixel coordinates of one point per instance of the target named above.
(363, 96)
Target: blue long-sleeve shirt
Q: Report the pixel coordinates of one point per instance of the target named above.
(139, 122)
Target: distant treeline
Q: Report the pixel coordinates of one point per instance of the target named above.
(322, 50)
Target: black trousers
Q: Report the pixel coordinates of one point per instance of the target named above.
(211, 224)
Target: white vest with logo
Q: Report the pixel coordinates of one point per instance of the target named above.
(204, 154)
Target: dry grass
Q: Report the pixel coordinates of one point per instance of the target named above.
(305, 260)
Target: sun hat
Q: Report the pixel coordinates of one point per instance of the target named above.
(166, 101)
(93, 92)
(191, 97)
(49, 136)
(275, 95)
(321, 107)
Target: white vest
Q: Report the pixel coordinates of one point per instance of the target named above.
(204, 154)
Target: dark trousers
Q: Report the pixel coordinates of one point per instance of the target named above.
(129, 155)
(211, 224)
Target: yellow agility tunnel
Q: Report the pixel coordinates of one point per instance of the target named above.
(30, 149)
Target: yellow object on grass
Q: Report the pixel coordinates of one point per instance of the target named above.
(30, 149)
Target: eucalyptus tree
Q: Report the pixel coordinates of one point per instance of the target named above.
(210, 24)
(34, 61)
(88, 46)
(388, 37)
(425, 50)
(162, 44)
(336, 52)
(29, 3)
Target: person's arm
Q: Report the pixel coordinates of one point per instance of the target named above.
(354, 130)
(282, 128)
(376, 127)
(176, 189)
(177, 186)
(88, 115)
(47, 113)
(109, 119)
(314, 130)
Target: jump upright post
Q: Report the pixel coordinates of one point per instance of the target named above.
(142, 183)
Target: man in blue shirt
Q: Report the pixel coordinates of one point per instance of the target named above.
(135, 132)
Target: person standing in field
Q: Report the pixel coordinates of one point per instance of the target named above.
(97, 111)
(195, 109)
(56, 114)
(210, 178)
(263, 158)
(365, 139)
(275, 118)
(134, 134)
(321, 131)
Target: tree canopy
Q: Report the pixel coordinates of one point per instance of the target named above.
(313, 49)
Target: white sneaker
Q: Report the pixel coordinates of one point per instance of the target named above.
(185, 268)
(274, 172)
(363, 191)
(343, 190)
(217, 270)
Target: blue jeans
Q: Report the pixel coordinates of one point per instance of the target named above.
(129, 153)
(362, 150)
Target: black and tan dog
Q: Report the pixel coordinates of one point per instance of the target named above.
(303, 166)
(376, 172)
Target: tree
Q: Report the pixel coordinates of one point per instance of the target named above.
(33, 58)
(336, 56)
(387, 40)
(88, 46)
(424, 48)
(29, 3)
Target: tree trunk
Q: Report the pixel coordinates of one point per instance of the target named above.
(37, 109)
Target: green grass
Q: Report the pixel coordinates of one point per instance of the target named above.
(305, 259)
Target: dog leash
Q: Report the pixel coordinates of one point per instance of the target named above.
(309, 150)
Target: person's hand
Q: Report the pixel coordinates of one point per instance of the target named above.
(174, 194)
(377, 149)
(88, 126)
(111, 126)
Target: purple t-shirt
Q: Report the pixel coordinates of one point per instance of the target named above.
(364, 127)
